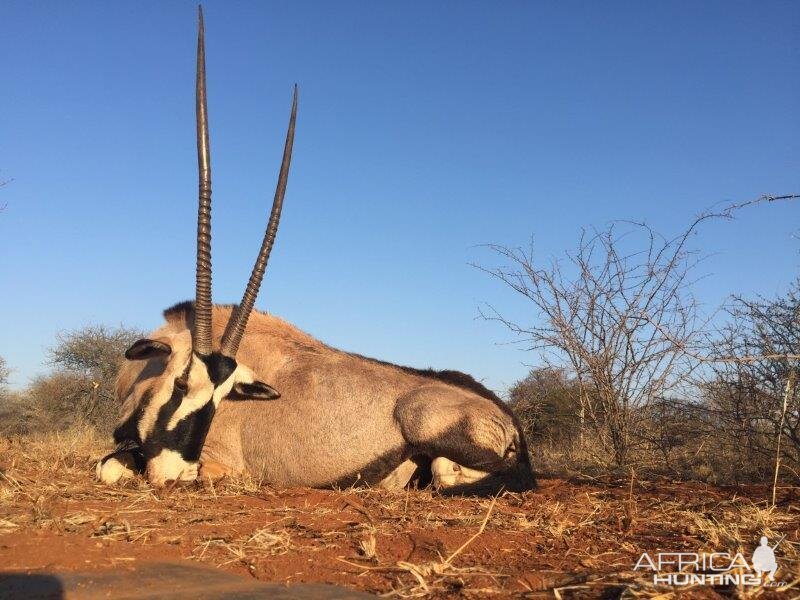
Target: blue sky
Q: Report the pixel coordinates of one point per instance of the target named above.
(425, 129)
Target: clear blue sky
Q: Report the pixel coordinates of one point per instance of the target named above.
(424, 130)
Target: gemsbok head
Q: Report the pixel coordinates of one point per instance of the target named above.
(170, 424)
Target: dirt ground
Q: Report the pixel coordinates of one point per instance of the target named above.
(568, 539)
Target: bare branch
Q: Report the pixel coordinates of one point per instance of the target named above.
(618, 310)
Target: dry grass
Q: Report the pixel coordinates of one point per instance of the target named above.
(569, 539)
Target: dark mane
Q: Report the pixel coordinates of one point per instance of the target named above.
(185, 309)
(181, 309)
(455, 378)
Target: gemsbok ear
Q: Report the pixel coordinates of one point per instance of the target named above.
(146, 348)
(258, 390)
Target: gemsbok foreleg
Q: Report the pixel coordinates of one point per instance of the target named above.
(120, 464)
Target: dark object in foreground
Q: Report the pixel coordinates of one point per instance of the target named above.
(176, 580)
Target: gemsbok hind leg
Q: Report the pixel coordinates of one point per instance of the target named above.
(469, 439)
(413, 472)
(399, 478)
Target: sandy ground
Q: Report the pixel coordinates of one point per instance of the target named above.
(568, 539)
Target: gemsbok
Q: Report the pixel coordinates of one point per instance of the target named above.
(227, 390)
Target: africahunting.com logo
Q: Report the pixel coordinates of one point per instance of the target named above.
(716, 568)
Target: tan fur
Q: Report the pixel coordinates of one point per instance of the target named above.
(212, 471)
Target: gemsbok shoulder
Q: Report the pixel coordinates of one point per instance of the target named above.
(228, 390)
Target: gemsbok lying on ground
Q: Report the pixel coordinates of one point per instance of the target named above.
(225, 390)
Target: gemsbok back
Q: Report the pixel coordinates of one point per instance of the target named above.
(228, 390)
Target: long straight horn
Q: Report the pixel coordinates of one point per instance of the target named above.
(238, 321)
(201, 338)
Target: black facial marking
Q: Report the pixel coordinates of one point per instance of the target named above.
(219, 367)
(128, 430)
(189, 434)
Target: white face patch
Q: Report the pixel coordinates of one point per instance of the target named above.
(447, 473)
(169, 465)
